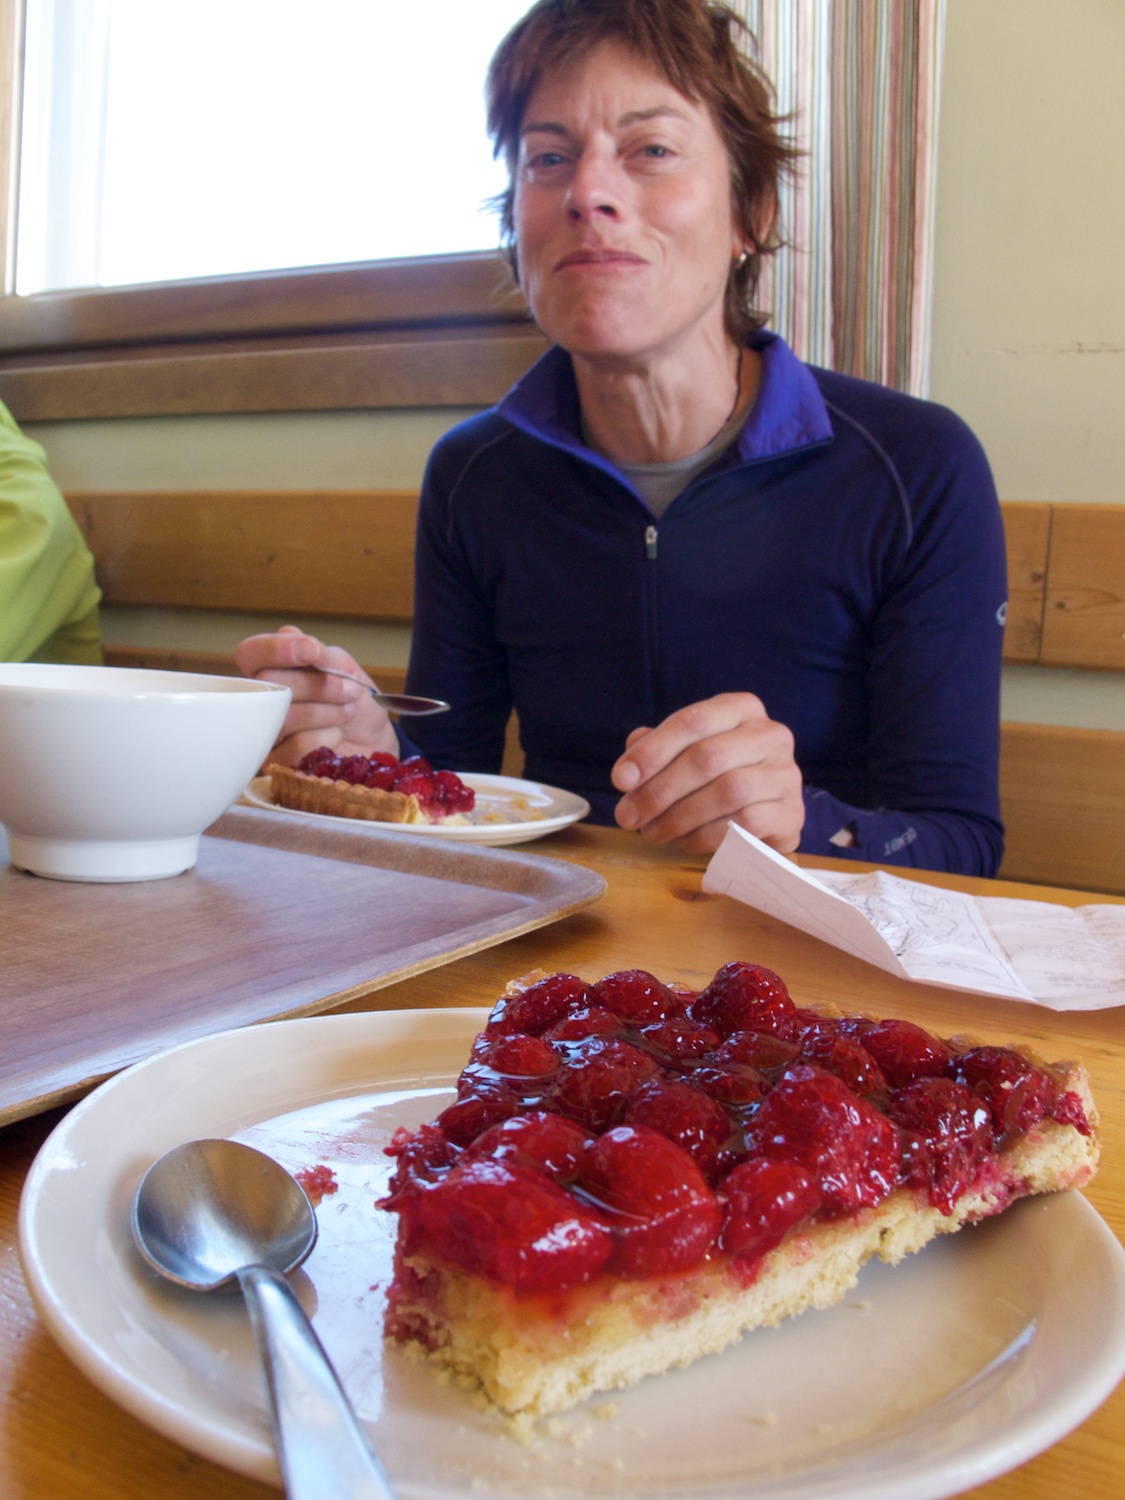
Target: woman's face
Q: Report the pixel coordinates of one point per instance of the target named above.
(624, 218)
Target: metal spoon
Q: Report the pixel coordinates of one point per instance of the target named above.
(395, 703)
(210, 1212)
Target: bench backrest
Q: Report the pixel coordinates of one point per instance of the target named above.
(349, 554)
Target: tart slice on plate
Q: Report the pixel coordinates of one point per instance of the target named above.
(634, 1175)
(378, 788)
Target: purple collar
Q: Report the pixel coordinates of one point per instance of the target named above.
(788, 414)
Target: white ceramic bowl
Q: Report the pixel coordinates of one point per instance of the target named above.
(112, 773)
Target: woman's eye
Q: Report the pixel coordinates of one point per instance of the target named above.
(655, 151)
(545, 161)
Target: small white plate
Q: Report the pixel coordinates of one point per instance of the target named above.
(930, 1378)
(545, 809)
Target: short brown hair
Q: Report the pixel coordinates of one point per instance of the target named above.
(690, 43)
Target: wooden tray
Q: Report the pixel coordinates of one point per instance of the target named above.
(280, 917)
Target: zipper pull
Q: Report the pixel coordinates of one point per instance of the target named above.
(650, 543)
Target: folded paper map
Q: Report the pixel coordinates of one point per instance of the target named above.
(1066, 958)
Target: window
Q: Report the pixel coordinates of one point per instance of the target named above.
(332, 322)
(199, 138)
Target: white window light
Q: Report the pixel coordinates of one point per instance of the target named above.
(173, 139)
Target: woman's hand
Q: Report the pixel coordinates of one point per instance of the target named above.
(324, 710)
(712, 762)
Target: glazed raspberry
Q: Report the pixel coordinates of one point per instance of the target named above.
(946, 1136)
(663, 1216)
(416, 765)
(905, 1052)
(541, 1004)
(694, 1121)
(850, 1148)
(353, 769)
(453, 794)
(503, 1221)
(471, 1115)
(418, 784)
(680, 1039)
(514, 1054)
(737, 1085)
(746, 997)
(634, 996)
(320, 762)
(545, 1143)
(421, 1155)
(592, 1020)
(810, 1023)
(1017, 1093)
(848, 1060)
(763, 1200)
(758, 1049)
(381, 778)
(592, 1088)
(383, 760)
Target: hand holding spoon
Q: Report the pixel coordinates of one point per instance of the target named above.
(210, 1212)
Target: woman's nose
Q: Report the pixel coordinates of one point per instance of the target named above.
(594, 191)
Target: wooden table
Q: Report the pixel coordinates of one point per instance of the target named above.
(60, 1438)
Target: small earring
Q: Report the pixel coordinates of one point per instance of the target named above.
(742, 260)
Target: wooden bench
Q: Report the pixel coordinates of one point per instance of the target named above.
(348, 555)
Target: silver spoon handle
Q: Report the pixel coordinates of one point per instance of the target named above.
(395, 703)
(323, 1451)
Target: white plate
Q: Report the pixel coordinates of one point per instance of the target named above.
(932, 1377)
(551, 807)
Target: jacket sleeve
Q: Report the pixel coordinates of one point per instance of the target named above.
(454, 653)
(933, 686)
(48, 597)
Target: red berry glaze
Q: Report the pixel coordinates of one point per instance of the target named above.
(592, 1088)
(848, 1060)
(746, 997)
(852, 1150)
(905, 1052)
(546, 1143)
(501, 1220)
(1018, 1094)
(946, 1137)
(764, 1198)
(592, 1020)
(636, 998)
(541, 1004)
(679, 1039)
(663, 1216)
(696, 1122)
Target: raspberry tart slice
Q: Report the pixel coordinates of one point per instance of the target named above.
(379, 788)
(633, 1175)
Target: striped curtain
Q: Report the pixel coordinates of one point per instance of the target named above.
(859, 81)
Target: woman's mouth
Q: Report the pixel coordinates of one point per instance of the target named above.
(598, 256)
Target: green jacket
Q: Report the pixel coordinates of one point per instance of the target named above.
(48, 597)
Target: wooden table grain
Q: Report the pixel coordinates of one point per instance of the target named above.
(61, 1439)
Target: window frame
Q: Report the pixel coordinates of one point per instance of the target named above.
(447, 330)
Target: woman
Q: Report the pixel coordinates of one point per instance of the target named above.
(711, 580)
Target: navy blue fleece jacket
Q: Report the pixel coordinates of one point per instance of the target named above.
(844, 561)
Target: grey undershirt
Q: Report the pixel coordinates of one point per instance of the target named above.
(659, 484)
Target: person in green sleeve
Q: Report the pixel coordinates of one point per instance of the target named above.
(48, 597)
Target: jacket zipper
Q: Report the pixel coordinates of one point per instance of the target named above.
(656, 692)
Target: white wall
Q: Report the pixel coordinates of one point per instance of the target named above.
(1029, 294)
(1029, 326)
